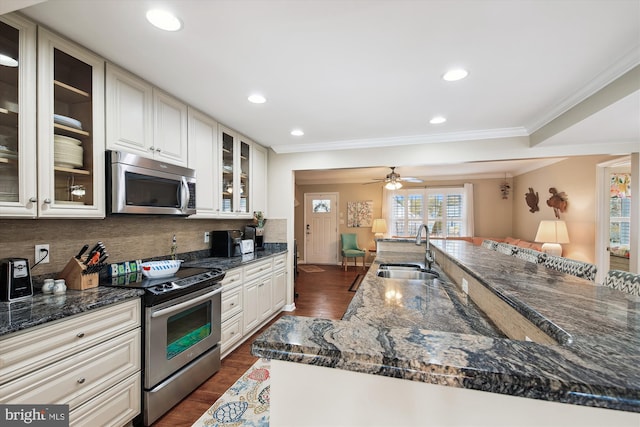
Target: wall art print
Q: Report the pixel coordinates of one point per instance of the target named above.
(360, 213)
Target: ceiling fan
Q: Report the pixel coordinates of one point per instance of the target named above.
(393, 180)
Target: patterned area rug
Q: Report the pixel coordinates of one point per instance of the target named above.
(245, 403)
(310, 268)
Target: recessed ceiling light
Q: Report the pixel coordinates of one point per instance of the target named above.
(437, 120)
(164, 20)
(297, 132)
(257, 99)
(8, 61)
(455, 74)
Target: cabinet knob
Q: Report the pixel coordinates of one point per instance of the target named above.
(152, 148)
(232, 304)
(81, 380)
(47, 201)
(80, 334)
(158, 150)
(33, 200)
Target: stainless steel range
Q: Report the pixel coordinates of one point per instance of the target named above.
(181, 334)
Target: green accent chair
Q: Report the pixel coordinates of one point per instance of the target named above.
(350, 249)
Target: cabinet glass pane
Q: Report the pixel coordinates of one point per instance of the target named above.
(72, 126)
(227, 173)
(244, 177)
(9, 66)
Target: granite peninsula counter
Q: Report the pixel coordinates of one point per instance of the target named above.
(594, 364)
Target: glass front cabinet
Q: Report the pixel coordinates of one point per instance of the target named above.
(235, 168)
(71, 140)
(18, 172)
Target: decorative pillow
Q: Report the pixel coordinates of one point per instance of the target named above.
(512, 241)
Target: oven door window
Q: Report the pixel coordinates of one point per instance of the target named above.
(144, 190)
(187, 328)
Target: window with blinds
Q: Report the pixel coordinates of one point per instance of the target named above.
(442, 209)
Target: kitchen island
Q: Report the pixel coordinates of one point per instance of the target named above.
(384, 364)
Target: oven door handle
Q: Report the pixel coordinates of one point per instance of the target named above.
(178, 307)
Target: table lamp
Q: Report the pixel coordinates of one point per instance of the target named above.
(379, 227)
(551, 234)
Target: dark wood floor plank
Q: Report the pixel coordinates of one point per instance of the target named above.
(324, 294)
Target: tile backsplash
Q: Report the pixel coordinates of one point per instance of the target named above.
(126, 237)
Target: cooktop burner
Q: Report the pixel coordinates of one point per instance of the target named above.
(186, 280)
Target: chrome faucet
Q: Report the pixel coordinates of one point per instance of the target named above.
(428, 256)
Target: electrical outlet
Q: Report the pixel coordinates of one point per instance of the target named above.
(206, 236)
(41, 250)
(465, 286)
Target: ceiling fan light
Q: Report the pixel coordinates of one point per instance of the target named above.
(393, 185)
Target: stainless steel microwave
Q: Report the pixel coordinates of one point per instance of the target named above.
(138, 185)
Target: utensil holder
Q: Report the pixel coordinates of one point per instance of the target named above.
(76, 276)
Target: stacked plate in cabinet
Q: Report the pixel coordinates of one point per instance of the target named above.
(67, 152)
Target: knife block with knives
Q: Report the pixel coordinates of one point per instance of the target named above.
(84, 274)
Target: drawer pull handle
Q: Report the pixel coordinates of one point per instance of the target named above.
(81, 381)
(80, 335)
(232, 304)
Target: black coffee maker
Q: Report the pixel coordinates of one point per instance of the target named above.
(226, 243)
(256, 234)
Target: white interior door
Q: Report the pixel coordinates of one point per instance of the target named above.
(321, 228)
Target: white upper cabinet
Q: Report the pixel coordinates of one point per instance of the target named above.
(144, 120)
(129, 111)
(169, 129)
(18, 185)
(204, 158)
(235, 170)
(71, 139)
(259, 178)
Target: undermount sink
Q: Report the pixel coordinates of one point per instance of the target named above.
(407, 274)
(400, 267)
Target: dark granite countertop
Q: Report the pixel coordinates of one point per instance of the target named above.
(597, 363)
(40, 308)
(270, 250)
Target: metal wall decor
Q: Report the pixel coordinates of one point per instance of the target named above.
(558, 201)
(532, 200)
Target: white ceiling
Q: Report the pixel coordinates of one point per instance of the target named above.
(356, 72)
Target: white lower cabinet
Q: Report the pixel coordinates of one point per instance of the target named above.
(83, 362)
(251, 296)
(231, 333)
(279, 281)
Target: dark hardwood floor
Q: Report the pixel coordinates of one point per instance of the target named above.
(324, 294)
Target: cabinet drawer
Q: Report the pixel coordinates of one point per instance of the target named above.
(257, 269)
(231, 301)
(279, 261)
(231, 332)
(24, 352)
(78, 378)
(115, 407)
(232, 277)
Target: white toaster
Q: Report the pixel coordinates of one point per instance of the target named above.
(247, 246)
